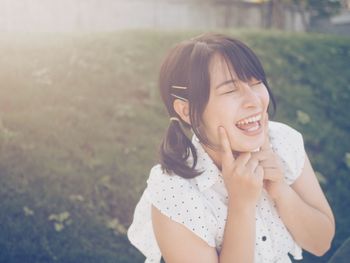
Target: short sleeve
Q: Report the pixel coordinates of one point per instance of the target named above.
(296, 252)
(140, 232)
(179, 200)
(288, 143)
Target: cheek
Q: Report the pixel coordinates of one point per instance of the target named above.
(211, 120)
(219, 114)
(265, 97)
(212, 117)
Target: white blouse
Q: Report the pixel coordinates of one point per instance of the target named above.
(200, 203)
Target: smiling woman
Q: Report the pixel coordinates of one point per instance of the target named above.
(242, 188)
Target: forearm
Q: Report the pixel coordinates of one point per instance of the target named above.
(239, 236)
(310, 228)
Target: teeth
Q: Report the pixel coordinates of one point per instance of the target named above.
(254, 128)
(249, 120)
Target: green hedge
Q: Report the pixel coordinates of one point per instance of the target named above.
(81, 121)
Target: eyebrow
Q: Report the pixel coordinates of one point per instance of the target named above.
(226, 82)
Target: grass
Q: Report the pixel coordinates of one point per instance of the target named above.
(81, 121)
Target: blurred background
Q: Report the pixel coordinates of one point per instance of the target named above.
(81, 118)
(329, 16)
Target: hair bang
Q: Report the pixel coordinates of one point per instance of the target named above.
(244, 63)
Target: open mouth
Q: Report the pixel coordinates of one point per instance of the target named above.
(250, 124)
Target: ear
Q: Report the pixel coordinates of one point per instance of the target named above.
(182, 109)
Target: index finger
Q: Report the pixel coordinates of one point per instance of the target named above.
(227, 156)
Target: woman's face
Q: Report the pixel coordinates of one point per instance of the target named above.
(231, 102)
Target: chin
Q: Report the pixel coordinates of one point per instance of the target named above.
(250, 143)
(251, 147)
(255, 149)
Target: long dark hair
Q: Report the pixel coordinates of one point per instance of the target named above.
(187, 65)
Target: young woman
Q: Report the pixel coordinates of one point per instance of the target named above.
(242, 189)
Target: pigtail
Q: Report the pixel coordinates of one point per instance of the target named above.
(175, 151)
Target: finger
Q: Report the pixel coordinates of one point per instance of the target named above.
(259, 173)
(271, 174)
(261, 155)
(241, 163)
(226, 155)
(252, 164)
(266, 144)
(268, 163)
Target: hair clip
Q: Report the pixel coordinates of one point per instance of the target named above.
(178, 97)
(178, 87)
(174, 119)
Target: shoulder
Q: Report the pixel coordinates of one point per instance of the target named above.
(169, 191)
(284, 138)
(160, 180)
(279, 129)
(288, 143)
(170, 237)
(180, 200)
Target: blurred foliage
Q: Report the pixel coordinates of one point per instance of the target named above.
(81, 120)
(318, 8)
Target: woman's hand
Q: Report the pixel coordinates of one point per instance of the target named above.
(243, 177)
(272, 165)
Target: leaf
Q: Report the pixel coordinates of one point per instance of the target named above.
(59, 217)
(28, 211)
(79, 198)
(115, 225)
(63, 216)
(105, 181)
(58, 227)
(303, 117)
(53, 217)
(347, 159)
(321, 178)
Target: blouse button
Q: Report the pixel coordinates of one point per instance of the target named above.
(263, 238)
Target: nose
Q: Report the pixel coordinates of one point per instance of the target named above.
(251, 98)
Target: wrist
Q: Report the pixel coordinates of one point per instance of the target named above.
(242, 208)
(282, 191)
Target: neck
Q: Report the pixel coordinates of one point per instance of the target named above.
(216, 155)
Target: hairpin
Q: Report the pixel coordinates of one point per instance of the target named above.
(174, 119)
(178, 97)
(178, 87)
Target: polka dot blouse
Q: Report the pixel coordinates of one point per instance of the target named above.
(200, 203)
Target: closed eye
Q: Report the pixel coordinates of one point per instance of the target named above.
(256, 83)
(230, 91)
(251, 85)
